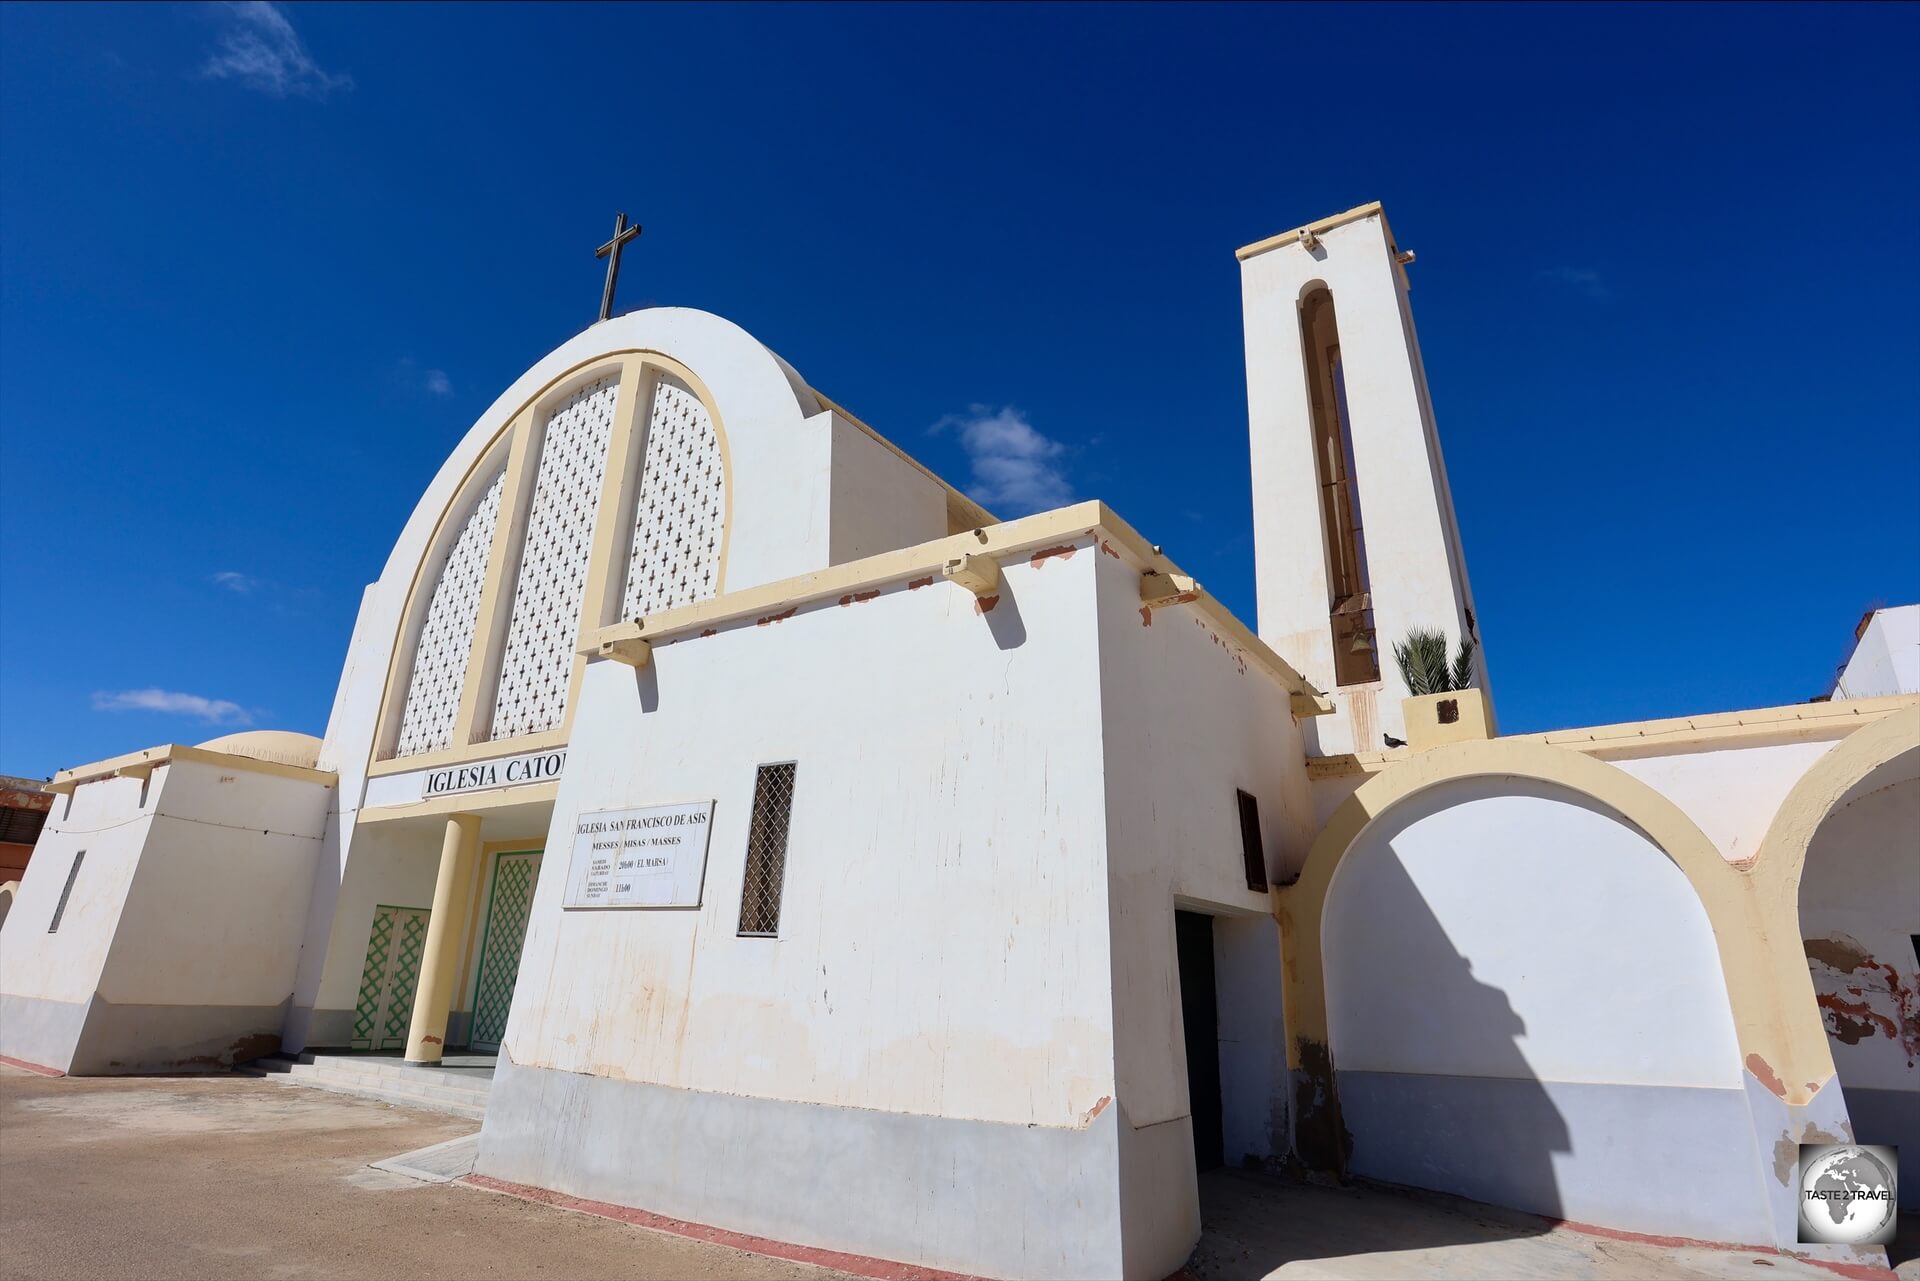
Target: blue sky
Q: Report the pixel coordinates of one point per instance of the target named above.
(260, 267)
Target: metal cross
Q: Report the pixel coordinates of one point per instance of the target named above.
(611, 252)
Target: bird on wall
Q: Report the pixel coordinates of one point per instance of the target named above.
(1394, 742)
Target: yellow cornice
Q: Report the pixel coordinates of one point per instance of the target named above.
(464, 803)
(142, 763)
(1011, 538)
(1370, 209)
(1755, 727)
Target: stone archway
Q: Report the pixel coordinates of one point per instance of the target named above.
(1783, 1060)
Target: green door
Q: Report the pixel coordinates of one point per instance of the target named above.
(387, 978)
(509, 904)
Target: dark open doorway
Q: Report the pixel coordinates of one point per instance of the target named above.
(1200, 1013)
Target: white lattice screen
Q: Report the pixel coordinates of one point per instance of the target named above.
(446, 637)
(538, 663)
(680, 517)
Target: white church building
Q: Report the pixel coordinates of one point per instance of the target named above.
(827, 860)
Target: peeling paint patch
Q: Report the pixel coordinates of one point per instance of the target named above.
(1064, 551)
(778, 618)
(1786, 1149)
(858, 598)
(1107, 547)
(1087, 1118)
(1861, 996)
(1146, 616)
(1321, 1138)
(1763, 1072)
(711, 631)
(985, 604)
(918, 583)
(1851, 1022)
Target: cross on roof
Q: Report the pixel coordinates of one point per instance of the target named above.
(611, 252)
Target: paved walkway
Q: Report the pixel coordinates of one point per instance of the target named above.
(1261, 1226)
(239, 1177)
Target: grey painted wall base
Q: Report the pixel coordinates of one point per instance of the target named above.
(1891, 1117)
(38, 1031)
(1664, 1160)
(104, 1039)
(972, 1196)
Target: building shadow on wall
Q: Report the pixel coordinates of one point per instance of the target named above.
(1451, 1137)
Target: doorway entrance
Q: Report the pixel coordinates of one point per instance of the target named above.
(384, 1011)
(1200, 1019)
(509, 905)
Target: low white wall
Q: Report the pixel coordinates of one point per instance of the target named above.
(1525, 1006)
(47, 980)
(179, 943)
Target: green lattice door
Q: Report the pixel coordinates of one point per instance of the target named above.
(387, 980)
(508, 907)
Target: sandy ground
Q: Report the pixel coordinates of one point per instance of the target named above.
(241, 1177)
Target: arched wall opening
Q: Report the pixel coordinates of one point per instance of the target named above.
(1525, 1005)
(1859, 910)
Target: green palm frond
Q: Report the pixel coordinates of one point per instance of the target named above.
(1422, 657)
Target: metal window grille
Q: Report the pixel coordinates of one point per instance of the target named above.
(1251, 849)
(21, 827)
(767, 851)
(60, 908)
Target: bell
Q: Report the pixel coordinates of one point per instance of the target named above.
(1362, 643)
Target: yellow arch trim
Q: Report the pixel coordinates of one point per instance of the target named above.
(1771, 995)
(1781, 858)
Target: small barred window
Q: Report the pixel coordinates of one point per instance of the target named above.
(767, 851)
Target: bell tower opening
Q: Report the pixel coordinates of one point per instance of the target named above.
(1356, 656)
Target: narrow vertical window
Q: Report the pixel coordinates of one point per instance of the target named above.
(1356, 657)
(1252, 851)
(767, 851)
(60, 908)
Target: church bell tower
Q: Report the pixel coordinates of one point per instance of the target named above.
(1355, 540)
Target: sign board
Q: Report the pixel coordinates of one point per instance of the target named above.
(534, 767)
(650, 857)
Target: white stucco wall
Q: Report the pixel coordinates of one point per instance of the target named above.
(1731, 794)
(943, 938)
(1467, 931)
(1887, 658)
(179, 943)
(107, 820)
(1525, 1006)
(1187, 721)
(219, 898)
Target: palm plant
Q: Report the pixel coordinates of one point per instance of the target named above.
(1423, 662)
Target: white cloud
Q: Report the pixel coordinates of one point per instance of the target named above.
(1016, 468)
(438, 383)
(262, 51)
(1583, 279)
(214, 711)
(234, 581)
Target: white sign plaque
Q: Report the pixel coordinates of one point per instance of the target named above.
(650, 857)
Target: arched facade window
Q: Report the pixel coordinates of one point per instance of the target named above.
(606, 497)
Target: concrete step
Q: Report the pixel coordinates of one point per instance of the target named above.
(384, 1079)
(471, 1111)
(392, 1077)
